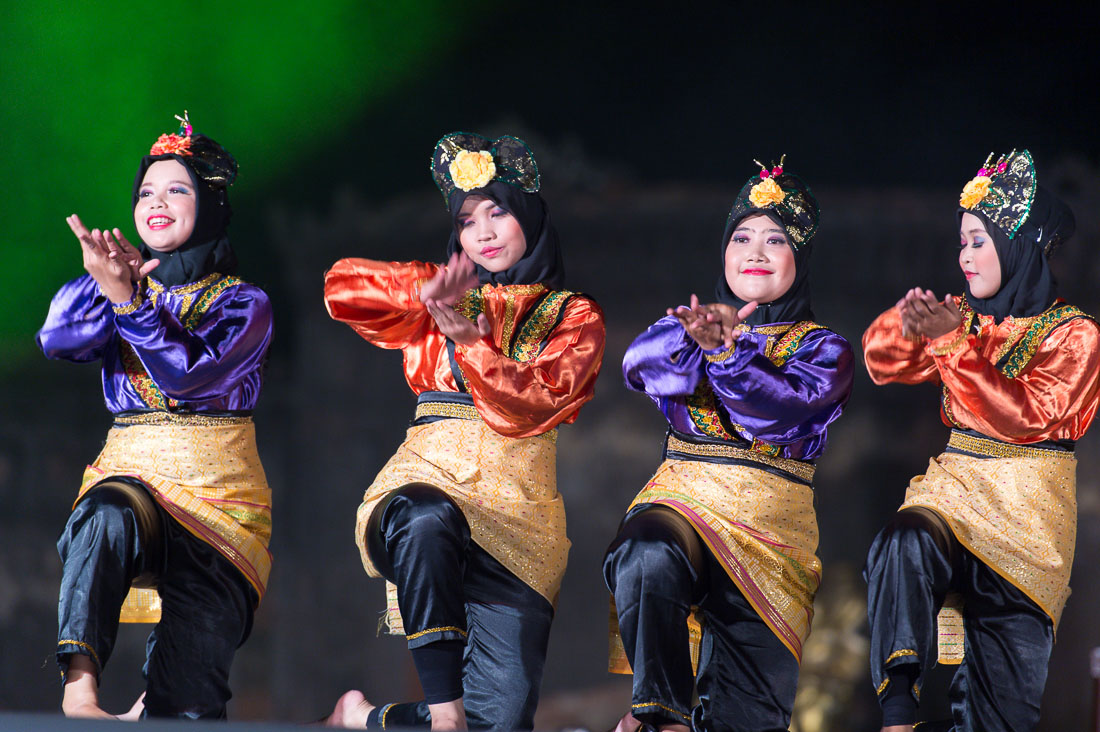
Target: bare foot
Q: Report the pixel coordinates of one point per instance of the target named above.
(898, 728)
(351, 711)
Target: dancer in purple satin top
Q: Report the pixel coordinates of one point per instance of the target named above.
(173, 518)
(713, 571)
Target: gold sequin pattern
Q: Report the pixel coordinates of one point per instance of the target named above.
(988, 447)
(200, 474)
(1044, 324)
(802, 470)
(1018, 515)
(464, 411)
(506, 488)
(127, 308)
(763, 530)
(537, 326)
(183, 420)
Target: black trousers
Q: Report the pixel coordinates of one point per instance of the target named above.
(657, 568)
(914, 561)
(116, 535)
(475, 630)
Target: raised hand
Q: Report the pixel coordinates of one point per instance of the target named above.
(704, 328)
(729, 318)
(104, 262)
(456, 326)
(123, 249)
(451, 281)
(923, 314)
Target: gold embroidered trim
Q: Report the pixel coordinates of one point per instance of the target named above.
(791, 340)
(1028, 345)
(382, 717)
(207, 299)
(702, 407)
(720, 357)
(521, 290)
(186, 420)
(471, 304)
(900, 654)
(996, 449)
(139, 378)
(85, 646)
(537, 325)
(462, 411)
(950, 347)
(509, 324)
(802, 470)
(882, 687)
(128, 307)
(440, 629)
(662, 706)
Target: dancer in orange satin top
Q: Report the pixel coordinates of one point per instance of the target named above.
(465, 520)
(985, 538)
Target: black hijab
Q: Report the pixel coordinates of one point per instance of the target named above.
(207, 250)
(541, 261)
(1027, 284)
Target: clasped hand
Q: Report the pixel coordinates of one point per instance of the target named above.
(711, 325)
(112, 261)
(922, 314)
(440, 293)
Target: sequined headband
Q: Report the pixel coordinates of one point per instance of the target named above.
(466, 161)
(1003, 191)
(209, 160)
(784, 193)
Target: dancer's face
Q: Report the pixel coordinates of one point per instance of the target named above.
(489, 235)
(978, 257)
(165, 210)
(759, 261)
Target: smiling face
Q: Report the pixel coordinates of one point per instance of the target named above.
(759, 261)
(489, 235)
(978, 257)
(166, 206)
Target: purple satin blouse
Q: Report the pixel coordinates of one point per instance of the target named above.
(214, 366)
(789, 405)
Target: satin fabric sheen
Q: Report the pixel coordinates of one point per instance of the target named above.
(1054, 398)
(381, 302)
(216, 367)
(789, 405)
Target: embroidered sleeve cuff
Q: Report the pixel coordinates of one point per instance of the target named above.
(130, 305)
(947, 343)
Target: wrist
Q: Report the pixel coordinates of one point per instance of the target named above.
(130, 304)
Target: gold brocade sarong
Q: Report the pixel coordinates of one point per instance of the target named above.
(1018, 515)
(763, 530)
(206, 473)
(506, 488)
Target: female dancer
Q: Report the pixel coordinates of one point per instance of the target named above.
(465, 521)
(724, 534)
(994, 518)
(176, 505)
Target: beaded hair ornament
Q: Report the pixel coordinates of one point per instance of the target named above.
(784, 193)
(206, 158)
(466, 161)
(1003, 191)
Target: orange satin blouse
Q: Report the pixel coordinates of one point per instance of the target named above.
(1053, 396)
(517, 398)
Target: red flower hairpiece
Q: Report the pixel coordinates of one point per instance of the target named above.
(177, 144)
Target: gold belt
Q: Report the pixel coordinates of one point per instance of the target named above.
(797, 468)
(462, 411)
(176, 419)
(988, 447)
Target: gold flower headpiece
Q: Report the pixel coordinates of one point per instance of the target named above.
(1003, 190)
(786, 195)
(465, 161)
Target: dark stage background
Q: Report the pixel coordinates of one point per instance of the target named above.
(645, 122)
